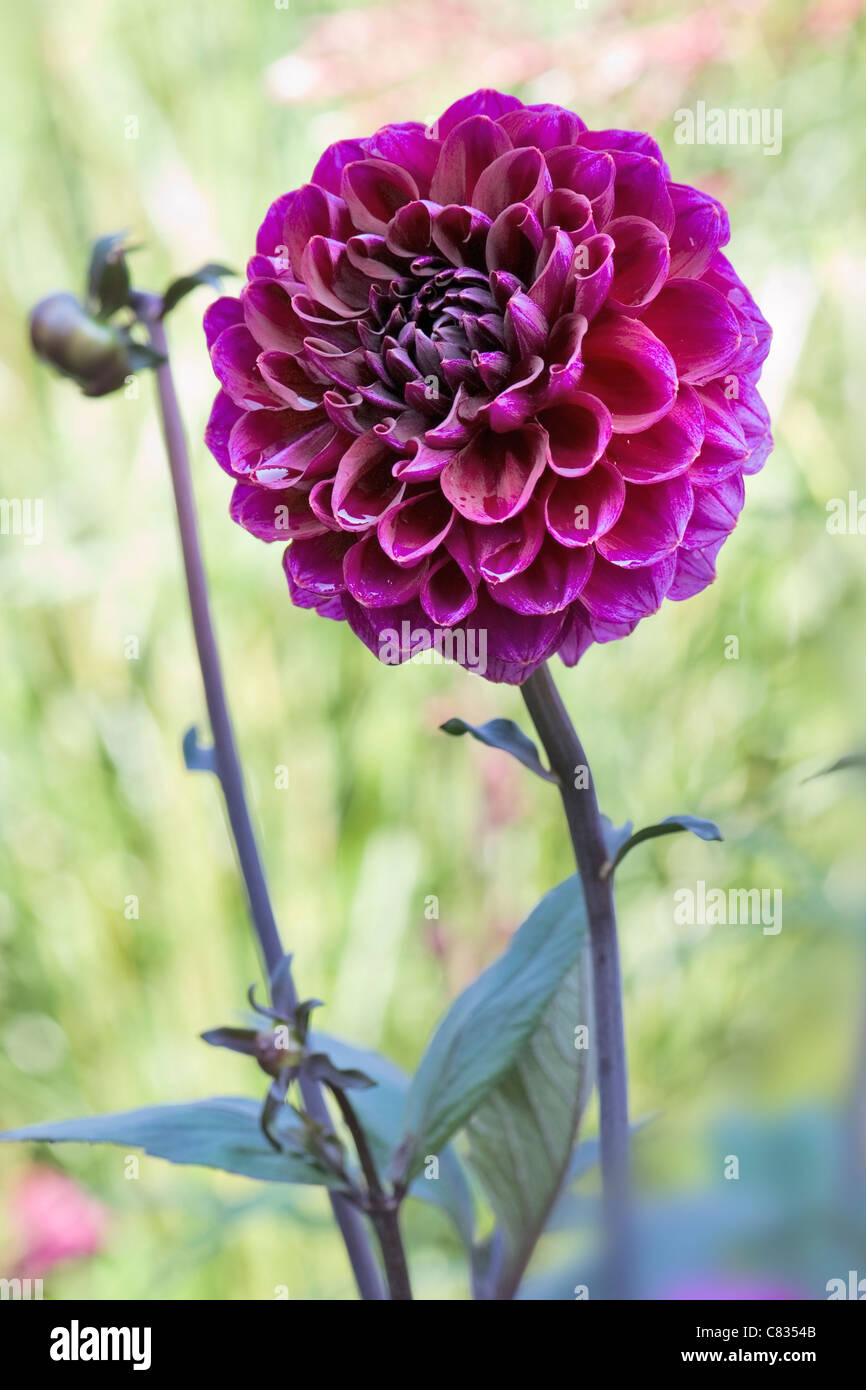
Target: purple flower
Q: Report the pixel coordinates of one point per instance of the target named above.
(495, 376)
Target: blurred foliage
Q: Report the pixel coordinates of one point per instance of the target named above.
(182, 123)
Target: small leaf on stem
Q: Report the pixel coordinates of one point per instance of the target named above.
(198, 757)
(849, 760)
(671, 825)
(210, 274)
(108, 283)
(504, 734)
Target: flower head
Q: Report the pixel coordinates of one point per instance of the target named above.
(495, 374)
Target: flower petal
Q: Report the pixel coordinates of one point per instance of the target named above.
(652, 523)
(616, 595)
(274, 516)
(551, 583)
(374, 190)
(520, 176)
(447, 596)
(578, 431)
(493, 477)
(316, 565)
(630, 370)
(640, 262)
(485, 102)
(715, 512)
(667, 448)
(415, 527)
(545, 126)
(364, 486)
(698, 327)
(465, 154)
(701, 227)
(374, 580)
(581, 510)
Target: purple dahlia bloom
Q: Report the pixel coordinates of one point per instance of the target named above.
(491, 375)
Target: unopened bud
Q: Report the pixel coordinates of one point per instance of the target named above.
(92, 353)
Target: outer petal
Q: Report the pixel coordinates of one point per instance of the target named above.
(550, 584)
(616, 595)
(485, 102)
(274, 516)
(447, 595)
(316, 565)
(544, 126)
(715, 512)
(667, 448)
(375, 581)
(724, 450)
(651, 525)
(640, 262)
(701, 227)
(224, 416)
(697, 325)
(329, 170)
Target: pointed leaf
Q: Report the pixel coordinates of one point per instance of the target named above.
(504, 734)
(210, 274)
(141, 357)
(222, 1132)
(704, 829)
(522, 1136)
(856, 760)
(488, 1026)
(108, 282)
(235, 1039)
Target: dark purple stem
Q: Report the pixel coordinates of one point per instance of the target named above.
(568, 761)
(228, 766)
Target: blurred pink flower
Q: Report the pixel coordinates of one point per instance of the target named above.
(54, 1220)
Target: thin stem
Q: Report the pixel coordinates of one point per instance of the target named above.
(228, 764)
(384, 1209)
(569, 762)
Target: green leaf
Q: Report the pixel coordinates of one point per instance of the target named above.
(522, 1136)
(856, 760)
(704, 829)
(108, 281)
(504, 734)
(142, 357)
(222, 1132)
(210, 274)
(380, 1111)
(487, 1028)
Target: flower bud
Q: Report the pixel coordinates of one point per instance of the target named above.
(92, 353)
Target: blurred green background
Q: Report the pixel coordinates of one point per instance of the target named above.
(182, 123)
